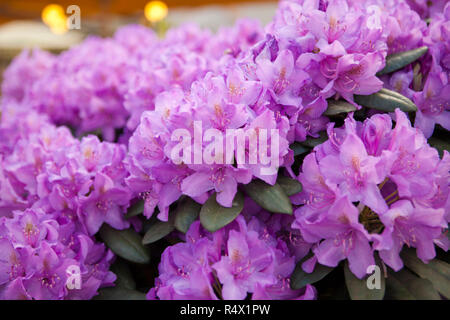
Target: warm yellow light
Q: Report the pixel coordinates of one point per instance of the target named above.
(53, 15)
(155, 11)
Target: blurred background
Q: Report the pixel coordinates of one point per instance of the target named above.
(43, 23)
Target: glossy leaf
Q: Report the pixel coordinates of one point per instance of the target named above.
(400, 60)
(125, 243)
(157, 231)
(404, 285)
(338, 106)
(123, 273)
(186, 213)
(436, 271)
(387, 101)
(214, 217)
(135, 209)
(272, 198)
(289, 185)
(358, 288)
(300, 278)
(397, 95)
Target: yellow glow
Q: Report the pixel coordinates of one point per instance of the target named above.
(155, 11)
(53, 16)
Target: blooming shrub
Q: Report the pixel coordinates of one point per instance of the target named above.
(257, 162)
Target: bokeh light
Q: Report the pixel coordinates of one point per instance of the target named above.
(155, 11)
(54, 17)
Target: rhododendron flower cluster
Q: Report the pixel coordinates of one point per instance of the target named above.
(215, 102)
(38, 249)
(427, 81)
(373, 188)
(244, 258)
(254, 160)
(49, 168)
(56, 193)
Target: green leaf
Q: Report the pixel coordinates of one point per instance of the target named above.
(395, 290)
(397, 95)
(213, 216)
(300, 278)
(338, 106)
(272, 198)
(436, 271)
(135, 209)
(386, 100)
(298, 148)
(312, 142)
(400, 60)
(123, 274)
(290, 186)
(187, 212)
(125, 243)
(119, 293)
(157, 231)
(440, 145)
(358, 288)
(404, 285)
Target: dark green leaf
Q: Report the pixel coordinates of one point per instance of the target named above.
(358, 288)
(395, 290)
(386, 100)
(186, 213)
(338, 106)
(135, 209)
(289, 185)
(300, 278)
(404, 285)
(400, 60)
(312, 142)
(157, 231)
(439, 144)
(213, 216)
(123, 274)
(119, 293)
(397, 95)
(436, 271)
(272, 198)
(125, 243)
(298, 148)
